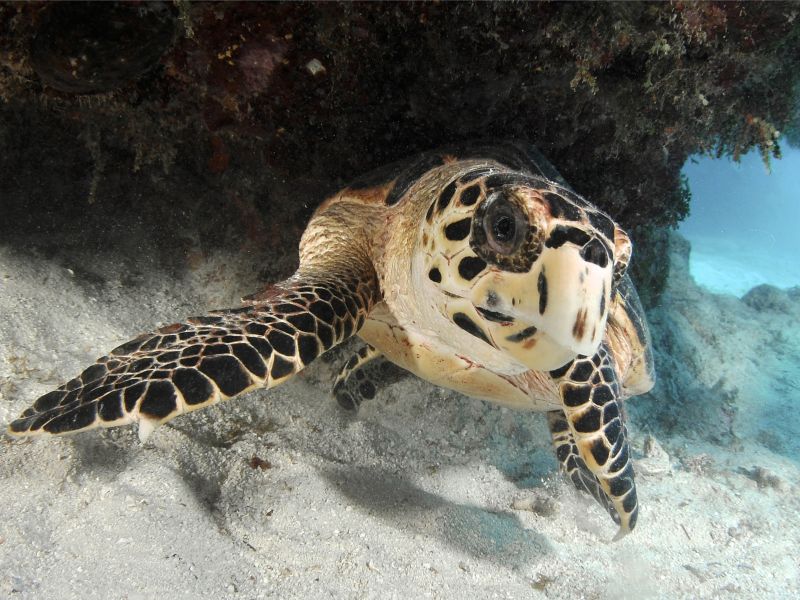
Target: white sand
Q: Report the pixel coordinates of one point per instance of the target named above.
(727, 266)
(410, 499)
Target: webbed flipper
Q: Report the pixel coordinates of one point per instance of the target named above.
(350, 391)
(190, 365)
(595, 433)
(361, 376)
(571, 462)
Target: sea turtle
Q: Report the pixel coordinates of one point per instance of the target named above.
(477, 268)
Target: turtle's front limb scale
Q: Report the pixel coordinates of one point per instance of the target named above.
(591, 437)
(187, 366)
(350, 389)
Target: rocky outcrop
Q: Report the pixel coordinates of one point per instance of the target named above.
(727, 367)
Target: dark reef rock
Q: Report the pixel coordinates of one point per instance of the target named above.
(719, 362)
(84, 48)
(616, 95)
(770, 298)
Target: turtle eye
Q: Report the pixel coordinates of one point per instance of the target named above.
(504, 224)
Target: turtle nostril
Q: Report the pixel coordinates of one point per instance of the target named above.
(595, 252)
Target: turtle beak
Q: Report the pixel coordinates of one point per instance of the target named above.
(556, 311)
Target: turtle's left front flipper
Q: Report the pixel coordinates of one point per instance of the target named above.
(189, 365)
(591, 438)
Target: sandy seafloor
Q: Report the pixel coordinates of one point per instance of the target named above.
(412, 498)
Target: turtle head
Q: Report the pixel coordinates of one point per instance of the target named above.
(524, 264)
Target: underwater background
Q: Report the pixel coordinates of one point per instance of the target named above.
(168, 165)
(743, 221)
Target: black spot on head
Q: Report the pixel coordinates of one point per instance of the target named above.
(603, 300)
(226, 372)
(560, 208)
(458, 230)
(470, 266)
(595, 252)
(435, 275)
(491, 298)
(469, 326)
(523, 335)
(429, 214)
(470, 195)
(541, 287)
(446, 196)
(193, 386)
(159, 400)
(562, 234)
(496, 317)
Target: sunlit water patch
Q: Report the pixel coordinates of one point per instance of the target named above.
(744, 224)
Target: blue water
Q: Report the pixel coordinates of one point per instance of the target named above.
(744, 224)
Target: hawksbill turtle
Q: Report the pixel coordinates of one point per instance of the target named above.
(476, 268)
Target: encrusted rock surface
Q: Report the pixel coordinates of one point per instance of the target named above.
(617, 95)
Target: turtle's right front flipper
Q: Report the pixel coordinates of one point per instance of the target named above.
(186, 366)
(591, 440)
